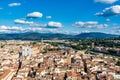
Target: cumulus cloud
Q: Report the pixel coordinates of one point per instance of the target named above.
(3, 27)
(106, 1)
(48, 17)
(7, 29)
(16, 29)
(37, 25)
(53, 24)
(30, 23)
(89, 24)
(20, 21)
(14, 4)
(34, 29)
(34, 15)
(110, 11)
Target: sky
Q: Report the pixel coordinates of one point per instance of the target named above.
(60, 16)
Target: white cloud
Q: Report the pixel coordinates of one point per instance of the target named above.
(82, 24)
(14, 4)
(117, 30)
(33, 29)
(36, 25)
(3, 27)
(30, 23)
(7, 29)
(110, 11)
(108, 19)
(16, 29)
(106, 1)
(86, 31)
(34, 15)
(54, 24)
(19, 21)
(48, 17)
(89, 24)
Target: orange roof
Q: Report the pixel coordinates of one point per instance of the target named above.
(72, 74)
(5, 73)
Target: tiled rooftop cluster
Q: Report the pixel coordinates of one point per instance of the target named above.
(64, 64)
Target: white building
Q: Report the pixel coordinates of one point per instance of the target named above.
(26, 51)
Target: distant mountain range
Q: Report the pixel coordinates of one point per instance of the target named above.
(49, 36)
(95, 35)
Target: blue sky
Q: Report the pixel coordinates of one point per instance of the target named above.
(60, 16)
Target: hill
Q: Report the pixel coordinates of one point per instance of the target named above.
(50, 36)
(92, 35)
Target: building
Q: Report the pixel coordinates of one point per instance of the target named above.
(93, 45)
(26, 51)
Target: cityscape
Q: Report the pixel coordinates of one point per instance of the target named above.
(60, 40)
(48, 60)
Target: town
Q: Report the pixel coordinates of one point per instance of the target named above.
(59, 39)
(40, 60)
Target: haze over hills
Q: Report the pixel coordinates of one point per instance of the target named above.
(49, 36)
(95, 35)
